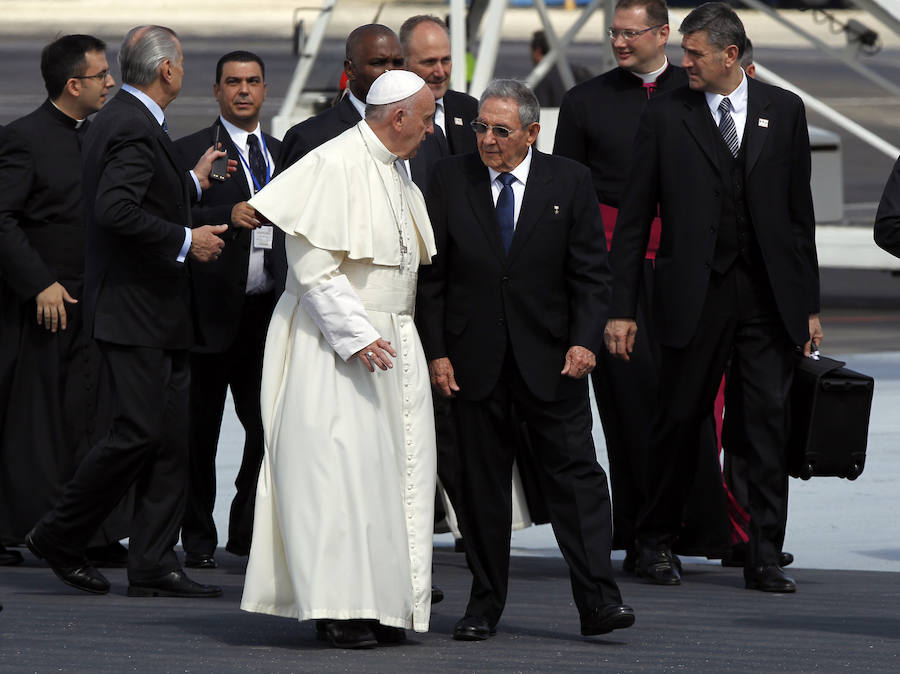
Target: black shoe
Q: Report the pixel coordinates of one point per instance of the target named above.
(346, 633)
(630, 561)
(237, 549)
(10, 557)
(473, 628)
(437, 595)
(74, 572)
(737, 557)
(768, 579)
(199, 561)
(112, 556)
(173, 584)
(606, 619)
(658, 566)
(385, 634)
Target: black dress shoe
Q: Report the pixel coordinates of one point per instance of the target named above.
(112, 556)
(473, 628)
(606, 619)
(237, 549)
(199, 561)
(737, 557)
(10, 557)
(385, 634)
(173, 584)
(658, 566)
(768, 579)
(346, 633)
(437, 595)
(74, 572)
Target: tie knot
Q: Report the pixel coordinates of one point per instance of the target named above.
(252, 140)
(506, 178)
(725, 105)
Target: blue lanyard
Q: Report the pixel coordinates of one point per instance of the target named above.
(256, 186)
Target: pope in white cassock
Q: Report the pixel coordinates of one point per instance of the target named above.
(344, 504)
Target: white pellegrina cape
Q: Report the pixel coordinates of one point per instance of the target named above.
(344, 504)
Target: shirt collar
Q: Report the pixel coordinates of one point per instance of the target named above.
(738, 98)
(64, 116)
(358, 104)
(520, 172)
(239, 136)
(648, 78)
(148, 102)
(373, 142)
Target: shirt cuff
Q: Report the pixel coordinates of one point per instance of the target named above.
(196, 184)
(338, 312)
(187, 245)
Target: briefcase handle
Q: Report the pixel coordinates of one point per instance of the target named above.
(814, 350)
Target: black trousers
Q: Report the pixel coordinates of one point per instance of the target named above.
(627, 394)
(573, 482)
(211, 374)
(739, 321)
(147, 446)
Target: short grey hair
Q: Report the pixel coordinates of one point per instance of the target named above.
(378, 113)
(721, 23)
(144, 49)
(529, 108)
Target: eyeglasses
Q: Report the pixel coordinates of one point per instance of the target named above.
(499, 131)
(629, 35)
(101, 76)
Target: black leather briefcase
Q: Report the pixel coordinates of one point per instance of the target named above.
(830, 415)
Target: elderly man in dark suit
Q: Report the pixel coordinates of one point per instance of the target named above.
(138, 307)
(511, 315)
(736, 276)
(233, 297)
(370, 50)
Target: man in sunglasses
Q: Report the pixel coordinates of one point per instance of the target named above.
(50, 405)
(510, 314)
(598, 121)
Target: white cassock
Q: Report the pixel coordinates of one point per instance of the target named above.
(345, 499)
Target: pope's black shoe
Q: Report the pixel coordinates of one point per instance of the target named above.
(346, 633)
(658, 566)
(10, 557)
(606, 619)
(173, 584)
(768, 579)
(473, 628)
(437, 595)
(73, 571)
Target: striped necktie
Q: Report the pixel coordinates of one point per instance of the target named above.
(727, 128)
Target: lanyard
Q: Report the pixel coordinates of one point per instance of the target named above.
(256, 186)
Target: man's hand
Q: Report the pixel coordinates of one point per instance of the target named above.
(205, 242)
(442, 378)
(204, 164)
(51, 306)
(376, 354)
(815, 334)
(619, 337)
(579, 362)
(244, 215)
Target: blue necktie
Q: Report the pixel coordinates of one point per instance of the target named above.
(165, 127)
(506, 209)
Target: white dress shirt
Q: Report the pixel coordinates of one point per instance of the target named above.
(738, 99)
(258, 279)
(520, 173)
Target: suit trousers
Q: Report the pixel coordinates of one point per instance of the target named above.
(147, 446)
(240, 367)
(739, 321)
(572, 481)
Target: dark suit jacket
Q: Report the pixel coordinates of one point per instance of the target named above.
(598, 121)
(459, 110)
(42, 229)
(887, 219)
(311, 133)
(549, 293)
(137, 203)
(219, 286)
(675, 165)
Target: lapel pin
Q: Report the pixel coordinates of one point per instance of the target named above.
(457, 121)
(556, 210)
(764, 123)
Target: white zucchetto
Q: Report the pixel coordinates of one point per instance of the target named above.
(393, 86)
